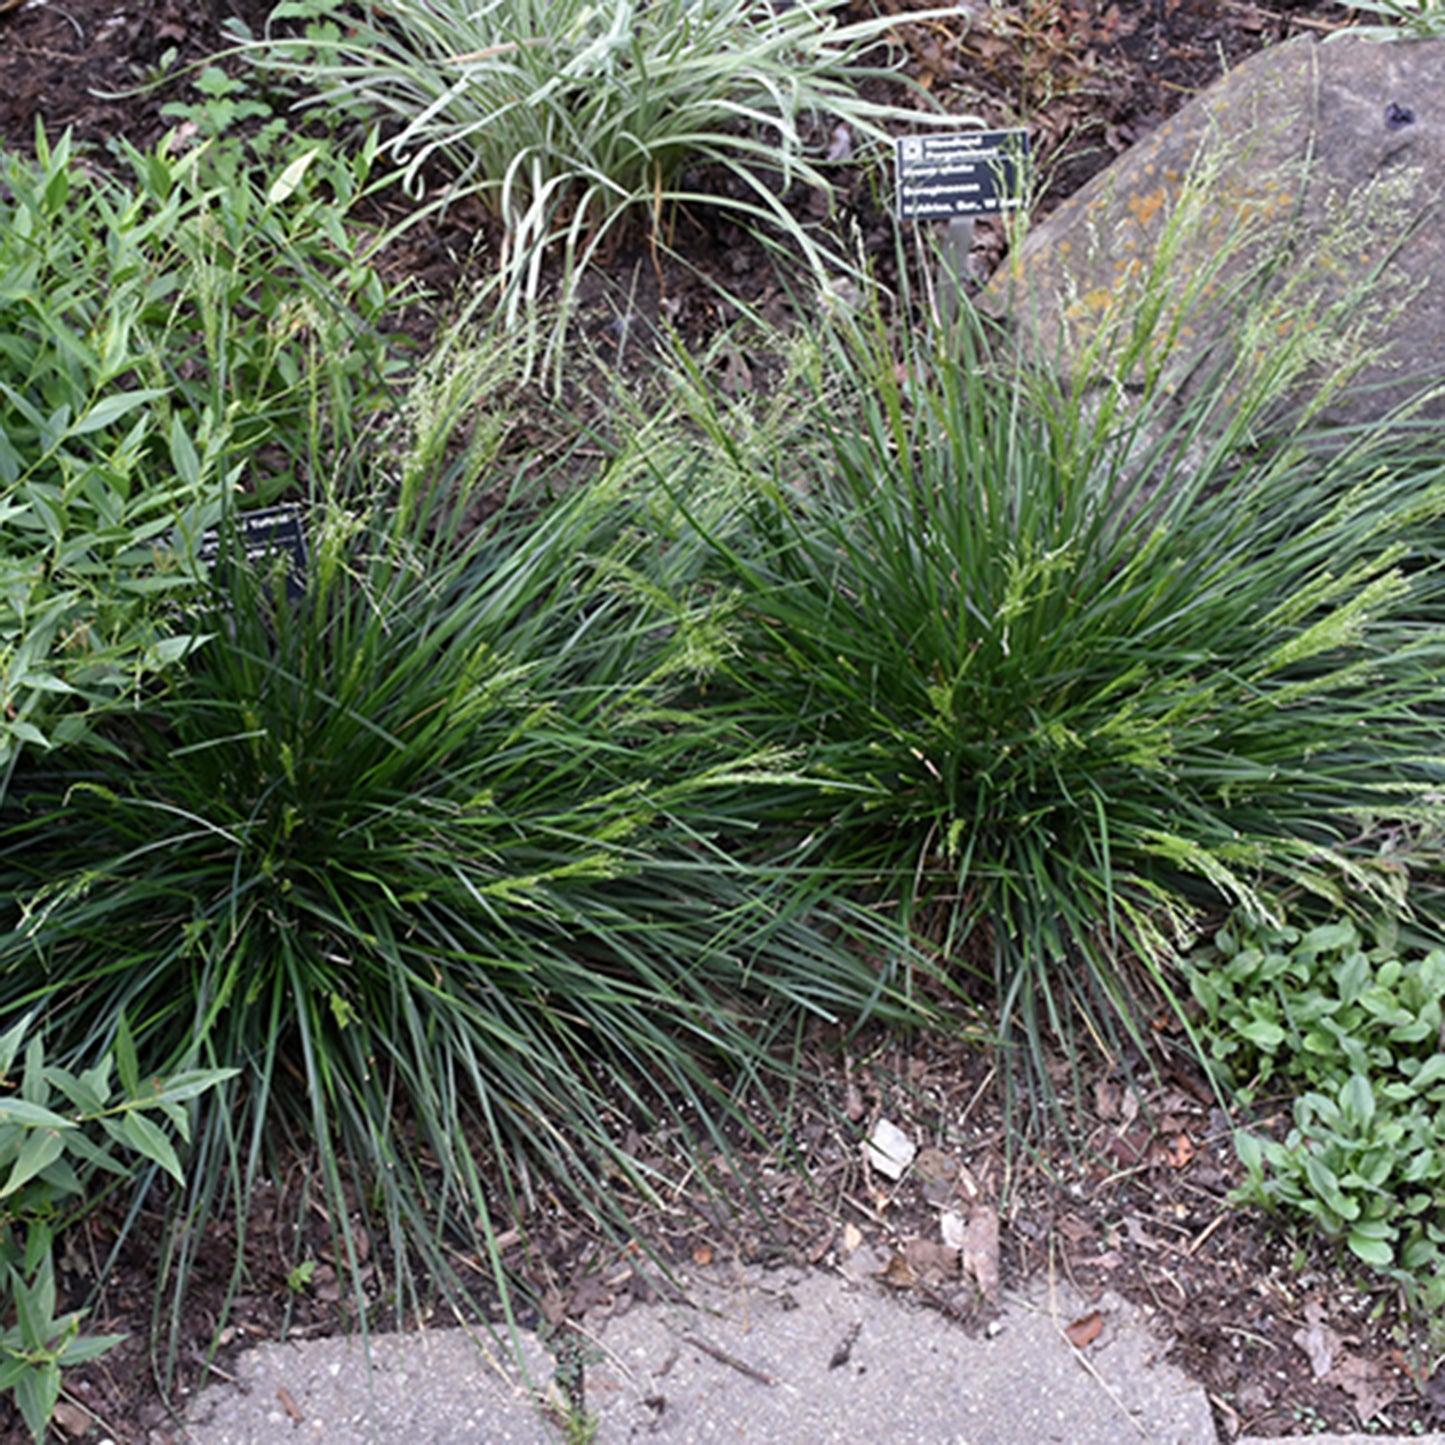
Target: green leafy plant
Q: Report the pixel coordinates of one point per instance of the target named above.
(435, 858)
(1353, 1027)
(1407, 20)
(1079, 674)
(222, 103)
(242, 130)
(160, 345)
(92, 469)
(298, 1277)
(53, 1129)
(571, 120)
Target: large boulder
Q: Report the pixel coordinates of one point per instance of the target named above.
(1296, 203)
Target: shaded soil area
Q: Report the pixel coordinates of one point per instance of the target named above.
(1132, 1197)
(1284, 1336)
(1088, 79)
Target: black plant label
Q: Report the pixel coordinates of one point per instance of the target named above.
(264, 538)
(973, 173)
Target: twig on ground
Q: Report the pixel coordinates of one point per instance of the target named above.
(722, 1357)
(1199, 1240)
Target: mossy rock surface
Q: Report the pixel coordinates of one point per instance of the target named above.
(1302, 192)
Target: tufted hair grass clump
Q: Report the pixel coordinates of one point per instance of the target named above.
(1082, 679)
(433, 860)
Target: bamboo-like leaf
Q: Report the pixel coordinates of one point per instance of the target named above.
(41, 1149)
(29, 1115)
(125, 1056)
(150, 1142)
(289, 181)
(111, 409)
(11, 1041)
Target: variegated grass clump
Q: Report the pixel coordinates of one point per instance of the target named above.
(572, 121)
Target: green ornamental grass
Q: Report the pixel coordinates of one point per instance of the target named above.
(433, 860)
(1400, 20)
(1079, 681)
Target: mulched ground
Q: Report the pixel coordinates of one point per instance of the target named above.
(1284, 1336)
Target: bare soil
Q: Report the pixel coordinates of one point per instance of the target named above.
(1133, 1196)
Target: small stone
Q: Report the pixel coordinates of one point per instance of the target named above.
(889, 1150)
(951, 1226)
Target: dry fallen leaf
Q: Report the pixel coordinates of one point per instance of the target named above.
(1179, 1151)
(1364, 1382)
(898, 1273)
(937, 1172)
(932, 1263)
(1131, 1147)
(325, 1285)
(589, 1293)
(1137, 1233)
(1085, 1330)
(71, 1418)
(980, 1250)
(1317, 1340)
(934, 1164)
(1417, 1372)
(852, 1238)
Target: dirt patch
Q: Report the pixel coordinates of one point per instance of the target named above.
(1133, 1197)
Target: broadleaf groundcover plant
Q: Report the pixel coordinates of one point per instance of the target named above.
(1351, 1024)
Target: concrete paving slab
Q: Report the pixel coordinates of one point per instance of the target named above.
(810, 1357)
(434, 1387)
(775, 1357)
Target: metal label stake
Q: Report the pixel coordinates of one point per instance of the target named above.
(953, 265)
